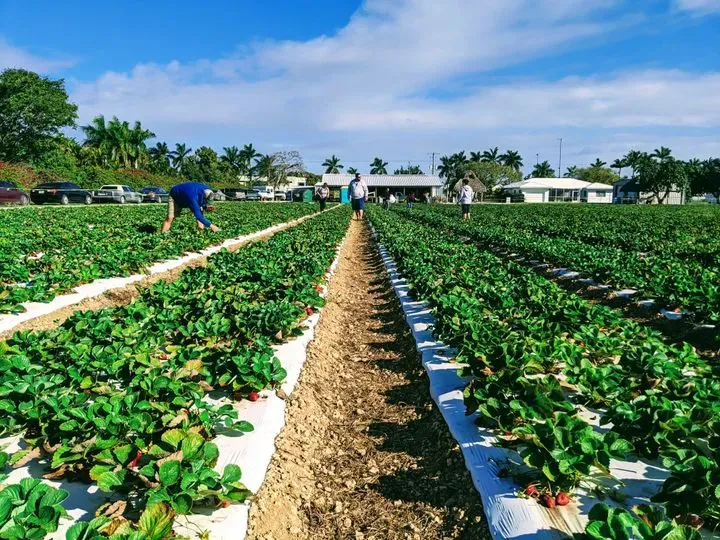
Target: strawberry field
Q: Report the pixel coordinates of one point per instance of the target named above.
(595, 413)
(126, 401)
(48, 251)
(670, 254)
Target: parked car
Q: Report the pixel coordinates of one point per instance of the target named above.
(11, 194)
(154, 194)
(235, 194)
(117, 193)
(253, 195)
(266, 193)
(60, 192)
(219, 196)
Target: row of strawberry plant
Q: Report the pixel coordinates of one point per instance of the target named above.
(679, 282)
(116, 396)
(52, 250)
(508, 322)
(689, 232)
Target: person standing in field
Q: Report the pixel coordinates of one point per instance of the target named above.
(386, 199)
(410, 200)
(358, 192)
(465, 198)
(192, 195)
(323, 195)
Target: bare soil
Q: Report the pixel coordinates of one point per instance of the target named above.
(365, 454)
(124, 295)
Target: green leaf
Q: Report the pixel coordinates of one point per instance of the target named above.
(156, 521)
(191, 445)
(182, 504)
(232, 473)
(173, 437)
(169, 472)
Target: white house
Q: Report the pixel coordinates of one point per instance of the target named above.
(561, 190)
(628, 190)
(396, 183)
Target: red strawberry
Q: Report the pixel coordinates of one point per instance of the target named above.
(581, 343)
(134, 462)
(249, 344)
(224, 504)
(531, 490)
(237, 396)
(253, 396)
(562, 499)
(319, 288)
(548, 500)
(310, 311)
(163, 357)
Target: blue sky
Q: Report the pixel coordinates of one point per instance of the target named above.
(398, 79)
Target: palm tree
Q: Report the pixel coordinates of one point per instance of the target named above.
(490, 156)
(619, 164)
(247, 155)
(332, 165)
(352, 170)
(265, 166)
(663, 153)
(232, 158)
(179, 156)
(543, 170)
(512, 159)
(160, 157)
(476, 157)
(632, 159)
(572, 172)
(378, 166)
(98, 138)
(598, 164)
(137, 148)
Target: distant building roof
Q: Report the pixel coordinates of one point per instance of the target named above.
(386, 180)
(558, 183)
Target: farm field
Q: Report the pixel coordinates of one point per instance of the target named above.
(666, 253)
(117, 398)
(50, 250)
(577, 390)
(125, 407)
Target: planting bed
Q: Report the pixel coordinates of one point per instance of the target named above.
(145, 406)
(668, 254)
(48, 251)
(568, 397)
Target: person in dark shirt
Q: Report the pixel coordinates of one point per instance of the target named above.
(192, 195)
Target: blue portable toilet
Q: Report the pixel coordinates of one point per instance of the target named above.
(344, 197)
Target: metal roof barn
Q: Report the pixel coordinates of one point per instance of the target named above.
(400, 181)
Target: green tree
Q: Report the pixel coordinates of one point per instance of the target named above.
(247, 155)
(232, 158)
(512, 158)
(598, 164)
(491, 155)
(572, 172)
(632, 159)
(411, 169)
(619, 164)
(705, 177)
(33, 110)
(663, 153)
(660, 175)
(491, 174)
(476, 156)
(332, 165)
(352, 170)
(543, 170)
(378, 166)
(265, 167)
(600, 175)
(451, 167)
(180, 157)
(203, 166)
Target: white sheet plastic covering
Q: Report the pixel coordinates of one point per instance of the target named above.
(99, 286)
(252, 451)
(508, 515)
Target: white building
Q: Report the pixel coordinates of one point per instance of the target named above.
(397, 183)
(628, 191)
(561, 190)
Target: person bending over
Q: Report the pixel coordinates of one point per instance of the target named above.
(192, 195)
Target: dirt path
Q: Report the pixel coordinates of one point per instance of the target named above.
(364, 454)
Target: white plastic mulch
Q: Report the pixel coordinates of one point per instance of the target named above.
(508, 515)
(99, 286)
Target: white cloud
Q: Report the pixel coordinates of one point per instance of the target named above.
(699, 7)
(370, 88)
(14, 57)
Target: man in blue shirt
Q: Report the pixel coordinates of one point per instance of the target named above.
(192, 195)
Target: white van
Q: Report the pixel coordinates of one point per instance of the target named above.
(266, 193)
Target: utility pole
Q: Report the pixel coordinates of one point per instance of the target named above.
(537, 159)
(560, 160)
(433, 164)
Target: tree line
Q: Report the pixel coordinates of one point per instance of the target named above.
(35, 110)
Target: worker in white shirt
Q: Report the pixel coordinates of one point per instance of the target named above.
(358, 192)
(466, 197)
(323, 193)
